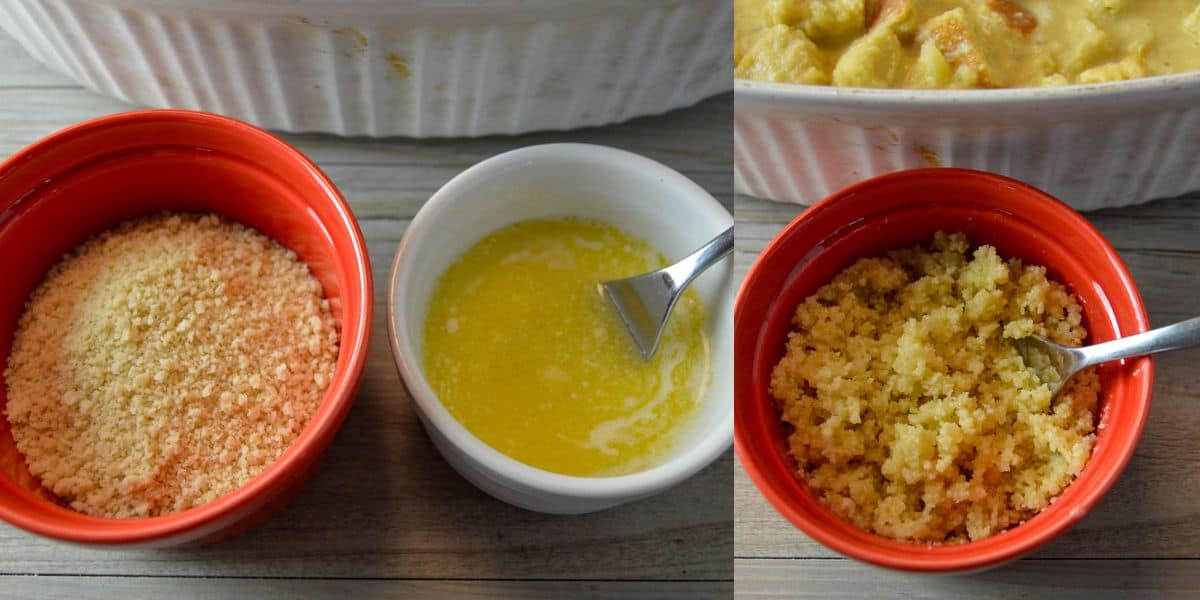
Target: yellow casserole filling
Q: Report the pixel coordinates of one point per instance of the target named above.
(963, 43)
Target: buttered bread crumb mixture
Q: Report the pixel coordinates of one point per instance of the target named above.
(911, 413)
(166, 362)
(963, 43)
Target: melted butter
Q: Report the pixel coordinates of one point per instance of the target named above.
(522, 350)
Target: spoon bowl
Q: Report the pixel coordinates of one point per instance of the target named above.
(644, 302)
(1054, 363)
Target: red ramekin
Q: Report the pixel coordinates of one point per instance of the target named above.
(903, 209)
(87, 178)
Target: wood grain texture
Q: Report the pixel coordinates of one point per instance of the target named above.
(384, 504)
(1034, 578)
(133, 588)
(1142, 540)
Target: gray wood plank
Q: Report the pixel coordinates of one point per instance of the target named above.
(384, 504)
(1058, 579)
(133, 588)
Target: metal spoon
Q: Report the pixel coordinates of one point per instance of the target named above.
(1065, 361)
(645, 302)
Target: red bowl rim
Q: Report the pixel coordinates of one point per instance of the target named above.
(324, 423)
(959, 560)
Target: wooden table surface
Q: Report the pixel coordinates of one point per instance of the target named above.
(385, 514)
(1141, 541)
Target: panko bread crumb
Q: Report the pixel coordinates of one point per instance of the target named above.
(166, 362)
(911, 413)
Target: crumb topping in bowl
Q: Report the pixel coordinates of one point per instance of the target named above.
(167, 362)
(912, 415)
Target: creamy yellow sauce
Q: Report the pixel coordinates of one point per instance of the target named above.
(523, 351)
(963, 43)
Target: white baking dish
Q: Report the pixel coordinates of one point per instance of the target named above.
(389, 67)
(1092, 146)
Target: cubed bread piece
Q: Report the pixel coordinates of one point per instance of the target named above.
(783, 54)
(952, 34)
(899, 15)
(1014, 15)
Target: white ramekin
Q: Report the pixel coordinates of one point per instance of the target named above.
(636, 194)
(1093, 146)
(389, 67)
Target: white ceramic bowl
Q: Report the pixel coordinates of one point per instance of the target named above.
(1093, 146)
(641, 197)
(389, 67)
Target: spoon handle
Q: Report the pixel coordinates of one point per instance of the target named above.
(1183, 334)
(684, 271)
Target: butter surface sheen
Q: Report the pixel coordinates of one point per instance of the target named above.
(523, 351)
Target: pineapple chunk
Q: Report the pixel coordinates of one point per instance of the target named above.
(874, 60)
(931, 70)
(1131, 67)
(783, 54)
(1191, 23)
(821, 20)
